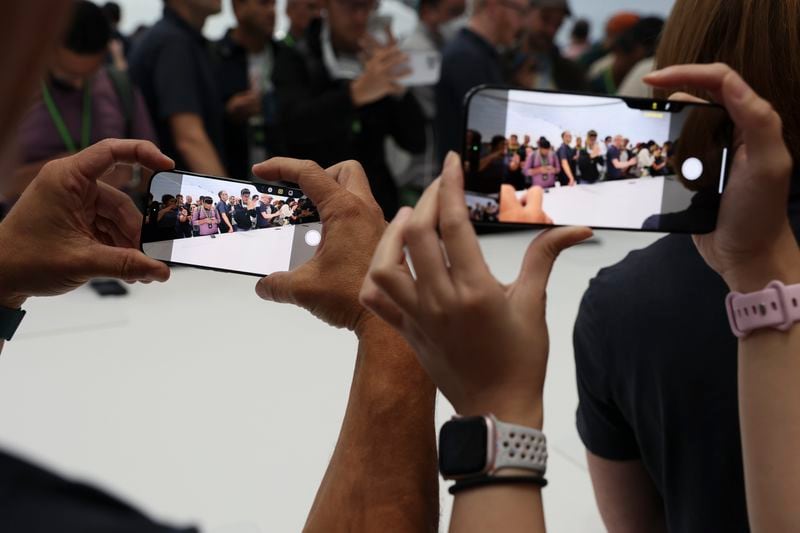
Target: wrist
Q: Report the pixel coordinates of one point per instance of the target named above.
(10, 301)
(524, 412)
(356, 94)
(783, 266)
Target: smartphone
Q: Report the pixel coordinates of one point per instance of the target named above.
(230, 230)
(542, 158)
(425, 67)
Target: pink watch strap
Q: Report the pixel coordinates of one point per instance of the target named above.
(777, 306)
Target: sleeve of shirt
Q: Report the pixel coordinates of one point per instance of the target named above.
(601, 425)
(175, 76)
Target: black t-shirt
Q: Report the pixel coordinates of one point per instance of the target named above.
(242, 216)
(656, 369)
(262, 222)
(172, 66)
(34, 500)
(613, 172)
(568, 153)
(467, 61)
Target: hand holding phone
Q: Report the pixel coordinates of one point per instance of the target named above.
(681, 195)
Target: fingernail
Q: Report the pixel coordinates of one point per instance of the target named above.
(451, 159)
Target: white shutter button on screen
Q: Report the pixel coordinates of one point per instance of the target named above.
(692, 169)
(313, 237)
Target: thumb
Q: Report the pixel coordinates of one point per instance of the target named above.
(542, 253)
(127, 264)
(276, 288)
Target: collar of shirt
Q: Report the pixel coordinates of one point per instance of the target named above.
(480, 42)
(174, 18)
(342, 67)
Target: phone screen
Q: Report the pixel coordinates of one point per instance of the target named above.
(544, 158)
(229, 225)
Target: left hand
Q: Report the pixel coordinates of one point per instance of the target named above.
(68, 228)
(484, 344)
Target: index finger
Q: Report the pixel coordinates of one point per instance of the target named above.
(351, 176)
(95, 161)
(315, 182)
(466, 260)
(760, 125)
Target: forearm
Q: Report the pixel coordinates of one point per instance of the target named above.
(769, 410)
(383, 469)
(199, 154)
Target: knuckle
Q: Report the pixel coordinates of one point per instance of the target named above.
(415, 231)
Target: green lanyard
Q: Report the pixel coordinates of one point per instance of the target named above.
(58, 120)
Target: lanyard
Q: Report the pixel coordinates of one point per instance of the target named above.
(58, 120)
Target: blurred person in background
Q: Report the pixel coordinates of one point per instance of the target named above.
(120, 46)
(172, 65)
(537, 63)
(472, 59)
(81, 101)
(428, 36)
(635, 47)
(600, 56)
(301, 13)
(340, 97)
(578, 40)
(245, 59)
(658, 409)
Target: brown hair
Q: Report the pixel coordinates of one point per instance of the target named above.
(758, 38)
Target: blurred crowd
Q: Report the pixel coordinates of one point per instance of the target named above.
(524, 164)
(330, 90)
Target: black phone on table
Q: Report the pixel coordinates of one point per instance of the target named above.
(234, 231)
(651, 165)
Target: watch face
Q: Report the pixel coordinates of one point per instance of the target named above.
(462, 446)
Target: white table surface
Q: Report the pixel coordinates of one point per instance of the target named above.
(202, 404)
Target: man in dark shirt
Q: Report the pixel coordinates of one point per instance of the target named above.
(242, 211)
(471, 59)
(245, 60)
(334, 107)
(617, 169)
(541, 56)
(566, 156)
(172, 65)
(657, 382)
(225, 215)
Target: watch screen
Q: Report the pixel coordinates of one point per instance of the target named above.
(462, 446)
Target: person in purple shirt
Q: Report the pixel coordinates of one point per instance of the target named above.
(80, 103)
(206, 218)
(542, 166)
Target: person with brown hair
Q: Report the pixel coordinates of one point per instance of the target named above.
(656, 362)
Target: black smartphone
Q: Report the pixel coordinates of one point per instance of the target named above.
(542, 158)
(228, 225)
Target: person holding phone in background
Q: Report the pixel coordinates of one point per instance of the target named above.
(454, 313)
(206, 218)
(542, 166)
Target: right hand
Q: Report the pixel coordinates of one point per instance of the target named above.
(352, 225)
(382, 71)
(753, 243)
(243, 106)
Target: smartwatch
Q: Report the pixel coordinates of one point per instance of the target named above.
(777, 306)
(10, 320)
(478, 446)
